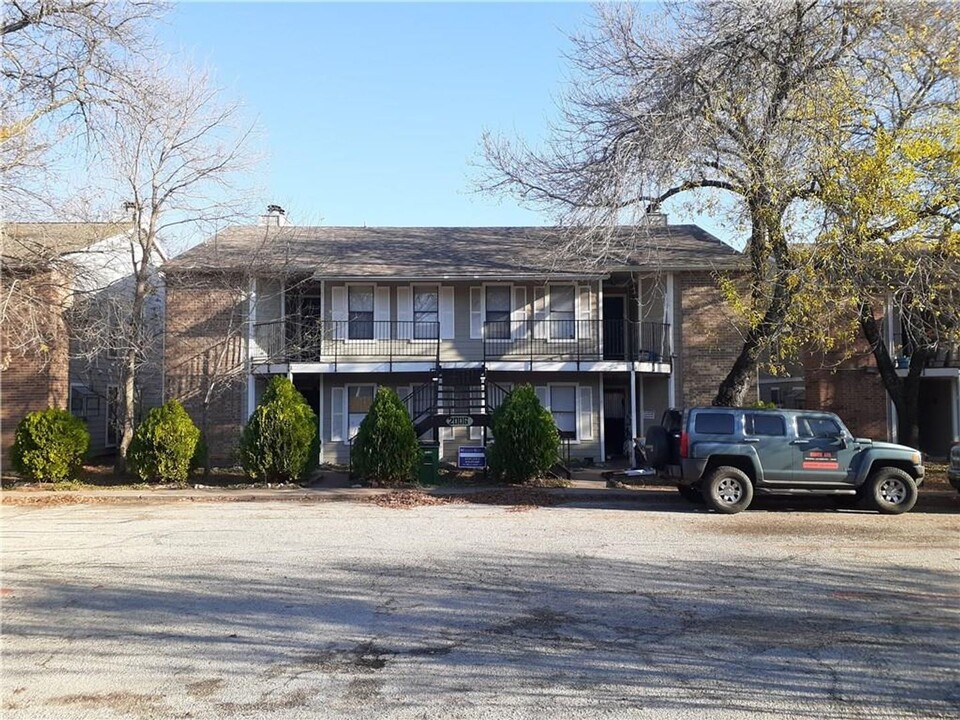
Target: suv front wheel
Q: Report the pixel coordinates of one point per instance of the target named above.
(728, 490)
(891, 490)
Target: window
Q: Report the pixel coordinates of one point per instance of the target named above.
(426, 313)
(359, 400)
(713, 423)
(775, 395)
(498, 312)
(563, 405)
(809, 426)
(562, 325)
(360, 312)
(770, 425)
(113, 415)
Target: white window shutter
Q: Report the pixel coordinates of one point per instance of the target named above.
(446, 433)
(446, 313)
(402, 392)
(584, 311)
(338, 311)
(381, 313)
(337, 402)
(518, 314)
(543, 395)
(476, 313)
(405, 312)
(476, 432)
(539, 312)
(584, 413)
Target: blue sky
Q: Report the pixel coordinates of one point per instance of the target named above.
(372, 113)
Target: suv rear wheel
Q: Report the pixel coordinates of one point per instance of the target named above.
(728, 490)
(891, 490)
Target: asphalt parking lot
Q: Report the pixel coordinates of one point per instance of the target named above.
(350, 610)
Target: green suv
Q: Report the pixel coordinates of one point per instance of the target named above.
(724, 456)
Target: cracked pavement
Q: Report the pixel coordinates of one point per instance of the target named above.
(347, 610)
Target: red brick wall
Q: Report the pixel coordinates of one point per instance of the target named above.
(34, 378)
(708, 342)
(851, 388)
(204, 349)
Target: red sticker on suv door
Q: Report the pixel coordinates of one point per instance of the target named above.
(820, 460)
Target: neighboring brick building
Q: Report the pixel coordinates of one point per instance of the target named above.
(49, 269)
(451, 318)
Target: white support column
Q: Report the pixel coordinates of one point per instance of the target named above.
(670, 319)
(633, 416)
(320, 420)
(956, 409)
(251, 330)
(600, 334)
(603, 434)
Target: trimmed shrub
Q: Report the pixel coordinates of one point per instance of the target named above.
(386, 450)
(279, 443)
(164, 444)
(526, 441)
(49, 445)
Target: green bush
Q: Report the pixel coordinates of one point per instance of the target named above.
(164, 444)
(526, 441)
(386, 450)
(49, 445)
(279, 442)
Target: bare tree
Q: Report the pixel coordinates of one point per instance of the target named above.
(177, 153)
(735, 98)
(60, 59)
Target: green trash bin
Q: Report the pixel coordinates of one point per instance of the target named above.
(429, 464)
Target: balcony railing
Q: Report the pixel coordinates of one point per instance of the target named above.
(299, 340)
(576, 340)
(304, 340)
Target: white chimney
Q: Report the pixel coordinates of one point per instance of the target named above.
(276, 216)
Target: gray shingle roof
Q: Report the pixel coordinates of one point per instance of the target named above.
(438, 252)
(40, 242)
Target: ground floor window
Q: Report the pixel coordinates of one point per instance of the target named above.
(563, 406)
(359, 400)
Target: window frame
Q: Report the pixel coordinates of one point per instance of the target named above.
(553, 322)
(373, 309)
(436, 292)
(347, 434)
(508, 322)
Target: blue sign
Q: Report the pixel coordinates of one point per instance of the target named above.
(471, 457)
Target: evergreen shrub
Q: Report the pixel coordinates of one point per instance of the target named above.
(386, 450)
(526, 441)
(49, 445)
(280, 443)
(164, 444)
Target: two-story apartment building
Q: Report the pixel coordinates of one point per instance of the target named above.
(452, 319)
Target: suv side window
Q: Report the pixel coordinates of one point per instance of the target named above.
(770, 425)
(809, 426)
(714, 423)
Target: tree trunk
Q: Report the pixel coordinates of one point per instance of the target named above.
(767, 241)
(904, 392)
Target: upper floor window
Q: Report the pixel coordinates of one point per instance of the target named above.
(426, 313)
(498, 312)
(360, 312)
(562, 324)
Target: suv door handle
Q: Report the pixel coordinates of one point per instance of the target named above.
(799, 442)
(751, 440)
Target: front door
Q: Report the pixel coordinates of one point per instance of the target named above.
(822, 451)
(614, 421)
(614, 328)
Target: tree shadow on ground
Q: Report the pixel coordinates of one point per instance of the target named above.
(525, 630)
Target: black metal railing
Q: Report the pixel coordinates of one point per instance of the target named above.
(306, 340)
(576, 340)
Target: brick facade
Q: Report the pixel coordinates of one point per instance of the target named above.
(204, 356)
(34, 379)
(709, 340)
(851, 388)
